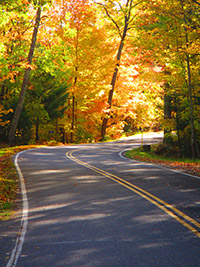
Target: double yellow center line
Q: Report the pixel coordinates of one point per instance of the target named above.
(178, 215)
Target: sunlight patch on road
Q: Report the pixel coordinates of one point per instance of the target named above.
(38, 212)
(151, 178)
(187, 190)
(88, 217)
(151, 218)
(48, 222)
(49, 172)
(110, 200)
(42, 154)
(87, 179)
(135, 171)
(51, 207)
(155, 245)
(112, 163)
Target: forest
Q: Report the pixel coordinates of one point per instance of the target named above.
(79, 71)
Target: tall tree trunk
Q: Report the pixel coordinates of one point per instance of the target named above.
(114, 77)
(37, 129)
(56, 125)
(3, 90)
(25, 80)
(73, 102)
(178, 126)
(194, 145)
(73, 117)
(167, 111)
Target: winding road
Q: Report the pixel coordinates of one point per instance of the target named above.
(87, 205)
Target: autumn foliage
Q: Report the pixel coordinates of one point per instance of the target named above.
(101, 68)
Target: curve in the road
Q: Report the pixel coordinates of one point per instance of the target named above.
(179, 216)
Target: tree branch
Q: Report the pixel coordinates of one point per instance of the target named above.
(108, 14)
(196, 2)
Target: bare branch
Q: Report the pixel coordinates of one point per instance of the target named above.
(129, 5)
(196, 2)
(108, 14)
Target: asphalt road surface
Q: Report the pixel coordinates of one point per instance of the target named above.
(87, 205)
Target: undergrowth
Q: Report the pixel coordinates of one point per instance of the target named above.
(8, 179)
(184, 164)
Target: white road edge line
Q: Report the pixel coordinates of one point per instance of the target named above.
(121, 152)
(186, 174)
(24, 220)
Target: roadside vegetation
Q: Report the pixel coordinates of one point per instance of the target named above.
(167, 157)
(9, 183)
(9, 179)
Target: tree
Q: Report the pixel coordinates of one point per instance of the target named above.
(26, 78)
(127, 13)
(187, 21)
(47, 96)
(83, 36)
(174, 26)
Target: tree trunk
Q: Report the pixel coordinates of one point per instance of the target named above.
(167, 111)
(2, 90)
(73, 117)
(25, 80)
(194, 145)
(114, 78)
(37, 129)
(178, 126)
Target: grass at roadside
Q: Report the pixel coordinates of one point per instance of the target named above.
(186, 165)
(8, 180)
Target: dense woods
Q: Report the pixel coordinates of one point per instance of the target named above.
(84, 71)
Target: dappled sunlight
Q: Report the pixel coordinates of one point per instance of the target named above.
(37, 153)
(133, 170)
(87, 224)
(152, 178)
(60, 197)
(140, 172)
(50, 207)
(88, 181)
(155, 245)
(80, 254)
(49, 184)
(113, 163)
(48, 171)
(110, 200)
(86, 177)
(94, 216)
(135, 164)
(47, 222)
(91, 219)
(151, 218)
(187, 190)
(88, 156)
